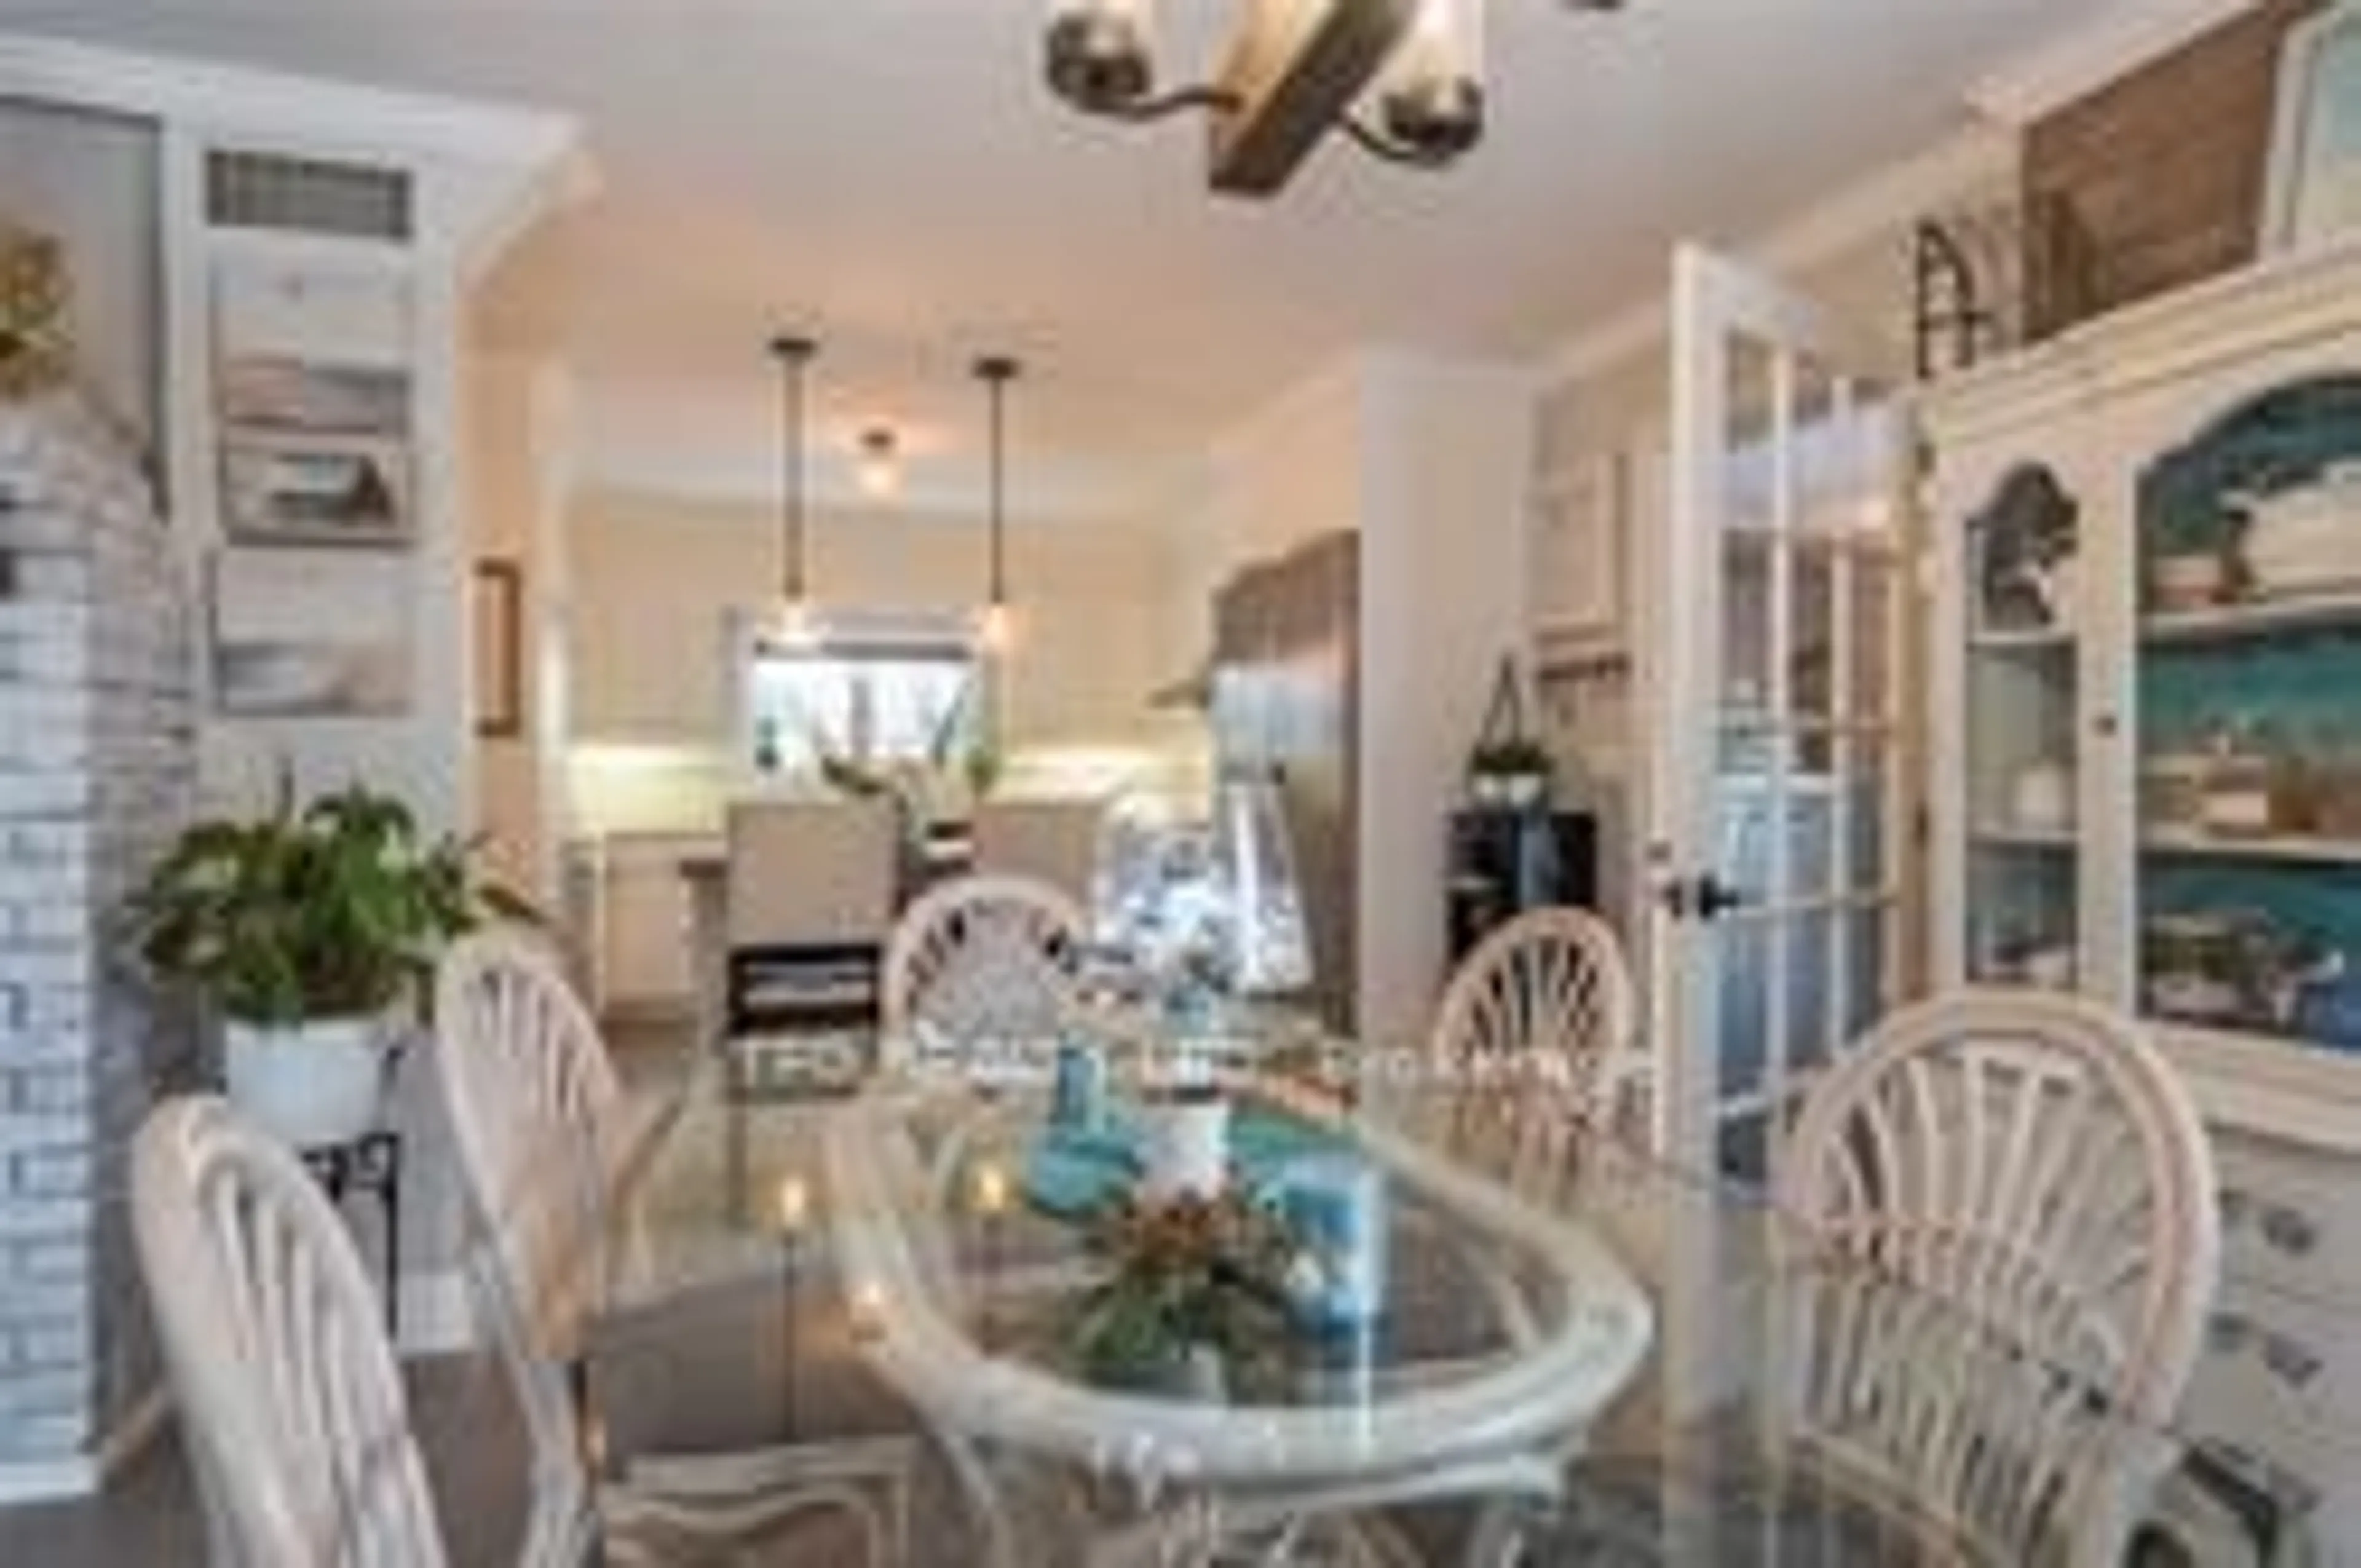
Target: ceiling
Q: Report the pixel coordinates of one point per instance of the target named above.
(893, 173)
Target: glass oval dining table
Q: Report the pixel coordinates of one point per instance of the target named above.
(1558, 1348)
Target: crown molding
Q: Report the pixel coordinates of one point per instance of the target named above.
(2118, 41)
(214, 97)
(1855, 214)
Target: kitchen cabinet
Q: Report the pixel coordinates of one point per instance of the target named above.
(643, 958)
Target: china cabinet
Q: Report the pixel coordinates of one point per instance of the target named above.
(2147, 687)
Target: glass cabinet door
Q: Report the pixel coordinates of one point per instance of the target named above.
(2024, 625)
(2249, 719)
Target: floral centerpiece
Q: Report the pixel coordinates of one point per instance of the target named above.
(1192, 1293)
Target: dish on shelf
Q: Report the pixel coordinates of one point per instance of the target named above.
(2038, 962)
(2302, 540)
(2041, 797)
(2026, 570)
(2050, 969)
(2299, 849)
(2238, 803)
(2330, 1013)
(2337, 798)
(2057, 588)
(2195, 964)
(2192, 580)
(2172, 787)
(2196, 999)
(2235, 969)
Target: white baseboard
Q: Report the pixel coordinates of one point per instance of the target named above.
(81, 1475)
(437, 1319)
(48, 1480)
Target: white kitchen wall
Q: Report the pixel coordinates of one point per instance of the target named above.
(655, 580)
(1429, 461)
(1447, 456)
(512, 448)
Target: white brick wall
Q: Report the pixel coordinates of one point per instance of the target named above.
(97, 767)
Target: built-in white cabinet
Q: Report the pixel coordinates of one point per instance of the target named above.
(639, 949)
(2148, 773)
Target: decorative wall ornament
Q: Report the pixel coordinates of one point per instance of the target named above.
(312, 633)
(497, 606)
(36, 350)
(2315, 172)
(313, 394)
(282, 487)
(2024, 546)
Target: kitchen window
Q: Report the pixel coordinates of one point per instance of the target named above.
(874, 706)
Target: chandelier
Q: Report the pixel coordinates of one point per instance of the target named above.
(1403, 79)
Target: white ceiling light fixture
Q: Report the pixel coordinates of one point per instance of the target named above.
(1296, 69)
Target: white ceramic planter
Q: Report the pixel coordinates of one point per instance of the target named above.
(1507, 789)
(310, 1084)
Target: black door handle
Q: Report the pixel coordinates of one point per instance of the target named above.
(1704, 897)
(1716, 898)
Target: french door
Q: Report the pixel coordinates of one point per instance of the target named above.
(1778, 846)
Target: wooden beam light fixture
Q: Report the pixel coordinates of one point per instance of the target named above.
(1295, 70)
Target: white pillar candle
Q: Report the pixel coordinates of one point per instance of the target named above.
(1187, 1149)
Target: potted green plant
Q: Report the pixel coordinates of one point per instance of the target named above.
(1506, 766)
(309, 932)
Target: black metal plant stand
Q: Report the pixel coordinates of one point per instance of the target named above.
(371, 1165)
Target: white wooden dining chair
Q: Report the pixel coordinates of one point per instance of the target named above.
(291, 1410)
(291, 1406)
(2034, 1164)
(543, 1130)
(1535, 1044)
(981, 960)
(539, 1120)
(1054, 843)
(810, 893)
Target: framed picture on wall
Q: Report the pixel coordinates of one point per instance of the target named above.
(2314, 190)
(276, 392)
(312, 635)
(497, 610)
(284, 488)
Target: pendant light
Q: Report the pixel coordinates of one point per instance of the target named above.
(794, 355)
(998, 630)
(878, 467)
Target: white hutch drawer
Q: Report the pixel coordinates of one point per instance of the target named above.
(2278, 1388)
(2271, 1360)
(2291, 1222)
(2306, 1472)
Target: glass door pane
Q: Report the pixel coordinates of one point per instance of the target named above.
(1801, 525)
(1772, 662)
(2021, 551)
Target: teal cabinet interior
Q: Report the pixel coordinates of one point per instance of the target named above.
(2249, 727)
